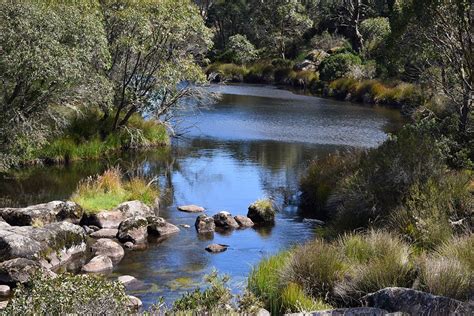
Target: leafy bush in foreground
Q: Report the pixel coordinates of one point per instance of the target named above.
(68, 294)
(337, 66)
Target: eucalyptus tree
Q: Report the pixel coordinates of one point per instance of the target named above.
(154, 47)
(49, 53)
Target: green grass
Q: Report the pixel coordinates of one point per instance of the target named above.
(264, 281)
(108, 190)
(84, 138)
(294, 300)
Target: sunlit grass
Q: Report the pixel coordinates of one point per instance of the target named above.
(108, 190)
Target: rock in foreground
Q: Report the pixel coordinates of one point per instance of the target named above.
(20, 270)
(134, 230)
(355, 311)
(42, 214)
(413, 302)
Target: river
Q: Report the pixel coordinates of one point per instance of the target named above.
(254, 142)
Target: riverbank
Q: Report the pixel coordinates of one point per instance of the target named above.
(306, 75)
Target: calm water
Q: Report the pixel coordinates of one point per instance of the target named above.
(255, 142)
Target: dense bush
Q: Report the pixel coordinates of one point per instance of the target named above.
(68, 294)
(375, 32)
(241, 50)
(337, 65)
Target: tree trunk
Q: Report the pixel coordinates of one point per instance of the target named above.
(467, 105)
(356, 36)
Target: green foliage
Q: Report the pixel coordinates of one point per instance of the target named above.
(68, 294)
(264, 281)
(108, 190)
(241, 50)
(375, 32)
(337, 66)
(327, 41)
(45, 65)
(295, 300)
(214, 299)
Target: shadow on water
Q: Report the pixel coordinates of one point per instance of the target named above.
(255, 142)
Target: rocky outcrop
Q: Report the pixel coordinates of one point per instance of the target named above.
(243, 221)
(205, 224)
(355, 311)
(191, 208)
(157, 226)
(216, 248)
(225, 220)
(105, 233)
(413, 302)
(98, 264)
(113, 218)
(42, 214)
(51, 245)
(306, 65)
(109, 248)
(20, 270)
(133, 229)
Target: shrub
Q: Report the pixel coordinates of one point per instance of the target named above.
(68, 294)
(242, 50)
(316, 266)
(427, 213)
(320, 179)
(337, 66)
(375, 32)
(216, 298)
(375, 260)
(327, 41)
(306, 78)
(264, 281)
(108, 190)
(261, 72)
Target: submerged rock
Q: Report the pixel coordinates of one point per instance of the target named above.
(98, 264)
(134, 230)
(159, 227)
(413, 302)
(42, 214)
(225, 220)
(109, 248)
(191, 208)
(113, 218)
(243, 221)
(216, 248)
(205, 224)
(53, 244)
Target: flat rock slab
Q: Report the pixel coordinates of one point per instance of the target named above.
(243, 221)
(42, 214)
(105, 233)
(113, 218)
(191, 208)
(131, 283)
(216, 248)
(58, 240)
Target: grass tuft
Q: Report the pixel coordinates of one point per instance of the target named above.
(108, 190)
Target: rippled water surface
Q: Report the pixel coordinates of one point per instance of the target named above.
(254, 142)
